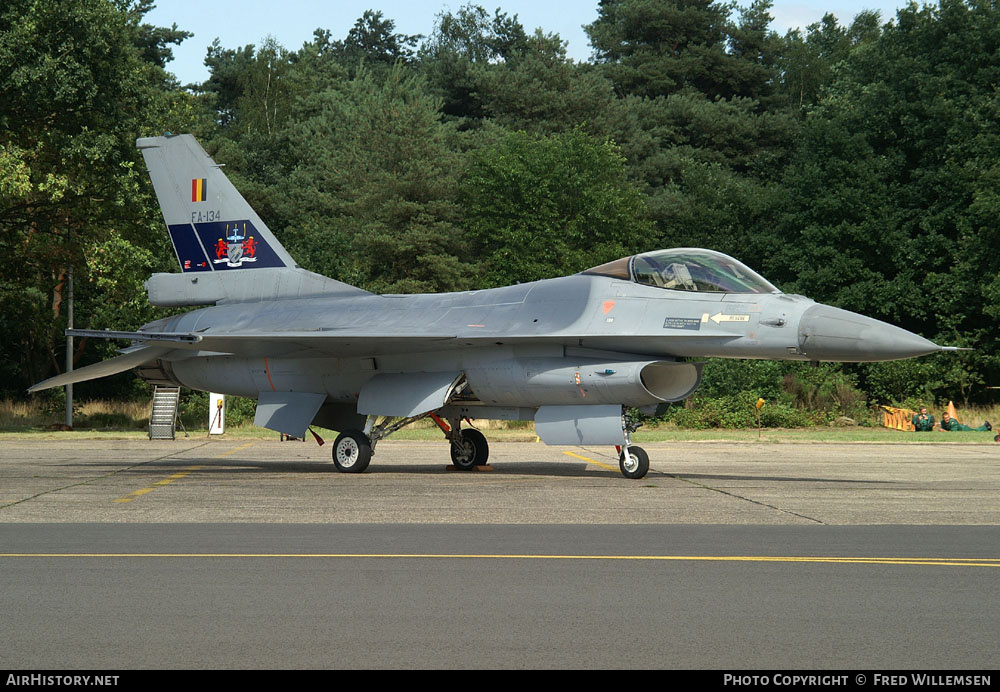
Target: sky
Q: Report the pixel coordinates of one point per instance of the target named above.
(240, 22)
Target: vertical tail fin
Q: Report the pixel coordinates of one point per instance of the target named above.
(211, 226)
(215, 234)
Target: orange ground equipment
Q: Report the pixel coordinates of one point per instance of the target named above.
(898, 418)
(951, 411)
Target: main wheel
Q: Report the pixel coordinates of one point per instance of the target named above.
(352, 451)
(636, 464)
(470, 449)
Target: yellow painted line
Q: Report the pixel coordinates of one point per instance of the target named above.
(234, 450)
(591, 461)
(166, 481)
(177, 476)
(933, 561)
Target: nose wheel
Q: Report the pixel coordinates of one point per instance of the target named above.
(633, 462)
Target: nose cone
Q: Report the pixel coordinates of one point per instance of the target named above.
(831, 334)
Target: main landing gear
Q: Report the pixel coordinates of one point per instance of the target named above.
(469, 448)
(353, 449)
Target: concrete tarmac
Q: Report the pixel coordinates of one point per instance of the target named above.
(195, 553)
(200, 480)
(108, 597)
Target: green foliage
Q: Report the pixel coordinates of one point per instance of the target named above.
(738, 411)
(806, 64)
(538, 89)
(194, 410)
(762, 378)
(108, 421)
(240, 410)
(855, 163)
(80, 81)
(938, 378)
(373, 166)
(118, 270)
(795, 395)
(371, 41)
(890, 210)
(824, 390)
(654, 48)
(461, 50)
(538, 207)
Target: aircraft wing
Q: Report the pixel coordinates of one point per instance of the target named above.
(133, 358)
(350, 342)
(279, 343)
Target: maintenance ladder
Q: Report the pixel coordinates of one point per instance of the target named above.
(163, 416)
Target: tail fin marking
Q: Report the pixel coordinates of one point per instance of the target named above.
(193, 192)
(214, 230)
(236, 245)
(190, 253)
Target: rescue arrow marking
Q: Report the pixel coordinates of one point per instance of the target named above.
(719, 317)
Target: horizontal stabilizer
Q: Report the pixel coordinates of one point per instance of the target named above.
(112, 366)
(208, 288)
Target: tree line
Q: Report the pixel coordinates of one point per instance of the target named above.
(856, 163)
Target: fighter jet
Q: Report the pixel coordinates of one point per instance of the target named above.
(569, 353)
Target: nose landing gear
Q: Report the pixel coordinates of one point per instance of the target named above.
(632, 461)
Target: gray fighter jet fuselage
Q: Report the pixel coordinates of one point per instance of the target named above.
(570, 319)
(568, 353)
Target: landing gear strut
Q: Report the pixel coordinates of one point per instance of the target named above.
(632, 461)
(468, 447)
(353, 449)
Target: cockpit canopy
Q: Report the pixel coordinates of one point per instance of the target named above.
(687, 269)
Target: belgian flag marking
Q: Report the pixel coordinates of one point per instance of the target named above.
(199, 188)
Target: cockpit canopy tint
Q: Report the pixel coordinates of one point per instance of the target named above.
(687, 269)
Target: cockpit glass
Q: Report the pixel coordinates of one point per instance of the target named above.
(687, 269)
(703, 271)
(617, 269)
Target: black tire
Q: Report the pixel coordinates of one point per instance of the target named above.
(352, 451)
(471, 449)
(638, 463)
